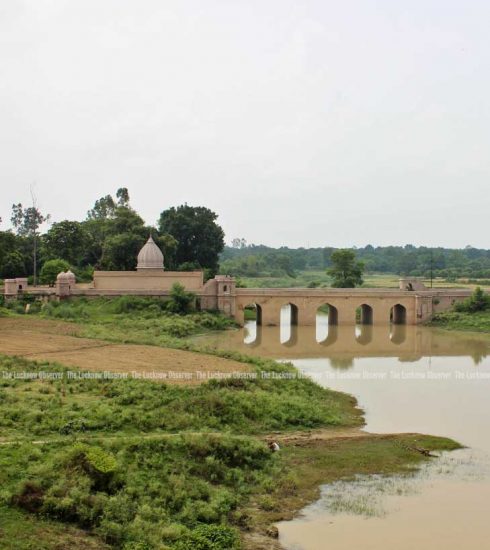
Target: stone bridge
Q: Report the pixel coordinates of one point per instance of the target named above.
(344, 306)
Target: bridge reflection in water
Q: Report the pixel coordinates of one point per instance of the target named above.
(342, 344)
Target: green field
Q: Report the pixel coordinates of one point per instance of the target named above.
(320, 279)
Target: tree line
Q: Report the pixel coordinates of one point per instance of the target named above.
(250, 260)
(109, 238)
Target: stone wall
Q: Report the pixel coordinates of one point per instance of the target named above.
(157, 280)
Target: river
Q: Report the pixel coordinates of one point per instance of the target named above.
(407, 379)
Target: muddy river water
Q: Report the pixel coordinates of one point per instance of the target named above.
(407, 379)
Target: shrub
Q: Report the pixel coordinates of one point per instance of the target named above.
(51, 269)
(478, 301)
(181, 301)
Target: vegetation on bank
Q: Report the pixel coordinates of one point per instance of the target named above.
(150, 317)
(141, 465)
(144, 465)
(247, 406)
(454, 320)
(472, 314)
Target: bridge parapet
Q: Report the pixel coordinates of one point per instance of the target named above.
(381, 306)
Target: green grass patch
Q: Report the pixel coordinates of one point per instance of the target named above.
(479, 321)
(306, 468)
(61, 407)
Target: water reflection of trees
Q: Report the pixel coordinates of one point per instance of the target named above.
(479, 351)
(342, 363)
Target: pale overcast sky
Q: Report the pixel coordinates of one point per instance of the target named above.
(305, 123)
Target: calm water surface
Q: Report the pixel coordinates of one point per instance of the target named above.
(407, 379)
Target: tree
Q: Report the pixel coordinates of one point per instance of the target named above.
(478, 301)
(199, 238)
(102, 209)
(12, 261)
(120, 251)
(122, 195)
(345, 271)
(105, 207)
(239, 243)
(51, 269)
(27, 222)
(116, 232)
(68, 240)
(12, 265)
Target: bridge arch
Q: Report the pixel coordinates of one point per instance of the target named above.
(253, 312)
(327, 320)
(398, 314)
(252, 316)
(365, 314)
(289, 323)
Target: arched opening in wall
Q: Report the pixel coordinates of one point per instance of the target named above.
(398, 315)
(364, 324)
(289, 323)
(364, 315)
(327, 318)
(252, 323)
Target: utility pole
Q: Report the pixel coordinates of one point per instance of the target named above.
(431, 266)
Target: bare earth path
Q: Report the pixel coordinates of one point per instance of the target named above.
(55, 341)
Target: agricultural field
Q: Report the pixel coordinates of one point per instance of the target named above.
(319, 279)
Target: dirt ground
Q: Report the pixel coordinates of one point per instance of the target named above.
(56, 341)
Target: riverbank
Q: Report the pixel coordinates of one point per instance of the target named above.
(478, 321)
(134, 462)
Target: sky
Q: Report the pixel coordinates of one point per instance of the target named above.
(300, 123)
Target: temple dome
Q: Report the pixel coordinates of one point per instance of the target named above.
(150, 256)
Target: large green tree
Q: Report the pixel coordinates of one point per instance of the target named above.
(12, 259)
(346, 271)
(67, 240)
(200, 239)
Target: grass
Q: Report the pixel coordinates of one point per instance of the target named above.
(142, 465)
(107, 458)
(54, 407)
(24, 531)
(477, 322)
(306, 468)
(128, 313)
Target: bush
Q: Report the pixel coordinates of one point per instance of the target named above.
(181, 301)
(128, 304)
(51, 269)
(478, 301)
